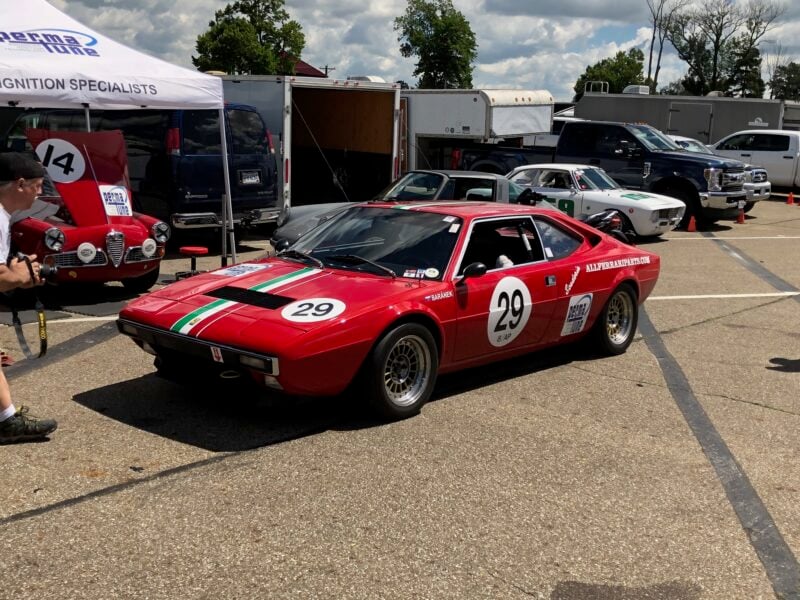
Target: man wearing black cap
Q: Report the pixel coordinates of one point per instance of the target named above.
(20, 183)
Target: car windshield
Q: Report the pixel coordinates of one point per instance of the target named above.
(652, 138)
(414, 185)
(595, 179)
(377, 240)
(693, 146)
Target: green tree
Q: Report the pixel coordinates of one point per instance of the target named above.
(742, 69)
(442, 40)
(785, 83)
(622, 70)
(251, 36)
(716, 40)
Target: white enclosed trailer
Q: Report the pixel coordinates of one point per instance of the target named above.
(436, 122)
(338, 139)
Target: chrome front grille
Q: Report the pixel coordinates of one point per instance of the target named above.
(134, 254)
(70, 260)
(733, 180)
(115, 245)
(668, 213)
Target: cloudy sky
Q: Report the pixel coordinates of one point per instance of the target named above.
(522, 44)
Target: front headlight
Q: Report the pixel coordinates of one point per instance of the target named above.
(161, 232)
(714, 179)
(54, 239)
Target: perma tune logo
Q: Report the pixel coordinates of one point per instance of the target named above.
(52, 41)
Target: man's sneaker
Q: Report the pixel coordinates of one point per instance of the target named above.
(23, 426)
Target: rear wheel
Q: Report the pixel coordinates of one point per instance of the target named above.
(400, 373)
(616, 324)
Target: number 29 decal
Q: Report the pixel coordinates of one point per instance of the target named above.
(509, 311)
(313, 309)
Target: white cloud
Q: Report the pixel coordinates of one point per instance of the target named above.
(528, 44)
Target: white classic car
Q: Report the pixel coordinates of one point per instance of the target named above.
(584, 189)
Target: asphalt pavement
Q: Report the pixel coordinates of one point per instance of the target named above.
(671, 472)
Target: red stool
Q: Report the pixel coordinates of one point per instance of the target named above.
(192, 252)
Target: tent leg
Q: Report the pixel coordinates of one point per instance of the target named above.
(227, 209)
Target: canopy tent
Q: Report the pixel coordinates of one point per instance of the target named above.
(50, 60)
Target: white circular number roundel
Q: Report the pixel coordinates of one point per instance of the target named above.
(312, 309)
(63, 161)
(509, 311)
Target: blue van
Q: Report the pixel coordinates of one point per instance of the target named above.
(175, 160)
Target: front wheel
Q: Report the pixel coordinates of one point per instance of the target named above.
(400, 373)
(141, 284)
(616, 324)
(748, 206)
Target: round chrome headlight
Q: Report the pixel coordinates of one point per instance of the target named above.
(86, 252)
(161, 232)
(54, 239)
(149, 247)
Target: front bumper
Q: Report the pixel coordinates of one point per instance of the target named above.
(723, 201)
(758, 191)
(202, 220)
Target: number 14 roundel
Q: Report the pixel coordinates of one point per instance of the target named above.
(509, 311)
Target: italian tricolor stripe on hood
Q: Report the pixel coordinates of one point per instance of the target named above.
(200, 315)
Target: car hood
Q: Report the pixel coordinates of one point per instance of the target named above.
(290, 298)
(695, 158)
(634, 199)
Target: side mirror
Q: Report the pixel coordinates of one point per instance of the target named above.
(475, 269)
(282, 245)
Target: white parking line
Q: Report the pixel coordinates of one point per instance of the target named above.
(82, 319)
(724, 296)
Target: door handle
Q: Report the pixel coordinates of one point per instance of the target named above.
(789, 157)
(743, 154)
(550, 280)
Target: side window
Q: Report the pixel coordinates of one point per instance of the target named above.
(772, 143)
(577, 139)
(476, 189)
(144, 130)
(502, 243)
(201, 132)
(738, 142)
(555, 179)
(557, 242)
(526, 177)
(612, 139)
(247, 132)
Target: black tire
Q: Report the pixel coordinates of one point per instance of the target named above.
(616, 324)
(400, 373)
(748, 206)
(692, 206)
(141, 284)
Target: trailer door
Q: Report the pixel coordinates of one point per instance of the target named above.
(690, 119)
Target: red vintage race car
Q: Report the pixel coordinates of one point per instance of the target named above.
(83, 224)
(389, 295)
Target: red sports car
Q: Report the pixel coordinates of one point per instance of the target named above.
(389, 295)
(83, 224)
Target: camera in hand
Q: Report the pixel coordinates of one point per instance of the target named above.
(45, 271)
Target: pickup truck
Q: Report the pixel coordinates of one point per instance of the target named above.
(777, 150)
(640, 157)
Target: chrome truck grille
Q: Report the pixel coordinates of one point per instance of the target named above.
(115, 245)
(733, 180)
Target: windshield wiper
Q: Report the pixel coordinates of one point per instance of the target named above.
(356, 259)
(296, 254)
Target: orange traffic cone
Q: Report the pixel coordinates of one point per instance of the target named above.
(740, 218)
(790, 198)
(692, 226)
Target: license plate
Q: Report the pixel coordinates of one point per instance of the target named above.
(249, 177)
